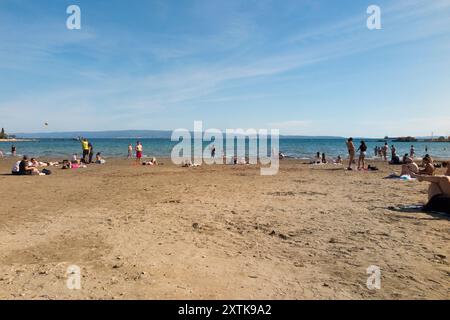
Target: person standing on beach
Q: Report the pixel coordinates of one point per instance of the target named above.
(324, 158)
(393, 152)
(213, 152)
(446, 164)
(139, 150)
(362, 155)
(13, 150)
(412, 152)
(385, 151)
(351, 152)
(130, 151)
(85, 149)
(91, 152)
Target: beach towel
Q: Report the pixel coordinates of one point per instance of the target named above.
(403, 178)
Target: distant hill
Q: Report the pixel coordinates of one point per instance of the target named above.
(126, 134)
(122, 134)
(312, 137)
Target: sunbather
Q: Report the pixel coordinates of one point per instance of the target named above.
(25, 168)
(438, 193)
(428, 167)
(409, 167)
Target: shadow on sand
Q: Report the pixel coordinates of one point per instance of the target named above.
(418, 209)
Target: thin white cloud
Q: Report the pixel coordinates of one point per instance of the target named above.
(149, 89)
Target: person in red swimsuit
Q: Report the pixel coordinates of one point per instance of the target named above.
(139, 150)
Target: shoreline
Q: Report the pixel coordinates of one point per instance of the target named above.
(18, 140)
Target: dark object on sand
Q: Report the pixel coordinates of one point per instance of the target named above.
(439, 203)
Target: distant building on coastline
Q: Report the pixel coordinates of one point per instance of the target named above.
(405, 139)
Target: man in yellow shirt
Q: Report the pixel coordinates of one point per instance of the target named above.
(85, 147)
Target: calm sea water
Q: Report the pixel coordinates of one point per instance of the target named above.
(296, 148)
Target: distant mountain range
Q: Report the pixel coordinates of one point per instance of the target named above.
(125, 134)
(122, 134)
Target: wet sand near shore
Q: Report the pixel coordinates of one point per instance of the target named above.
(218, 232)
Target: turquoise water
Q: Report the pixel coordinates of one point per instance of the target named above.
(296, 148)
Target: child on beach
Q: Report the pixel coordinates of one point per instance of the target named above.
(130, 151)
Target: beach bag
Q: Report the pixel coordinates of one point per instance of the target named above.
(46, 172)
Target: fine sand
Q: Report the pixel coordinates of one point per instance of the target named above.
(218, 232)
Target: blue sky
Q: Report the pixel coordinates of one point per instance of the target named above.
(305, 67)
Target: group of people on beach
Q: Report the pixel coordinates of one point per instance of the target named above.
(139, 149)
(322, 159)
(439, 190)
(352, 153)
(381, 152)
(31, 167)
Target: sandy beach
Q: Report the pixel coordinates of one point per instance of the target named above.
(218, 232)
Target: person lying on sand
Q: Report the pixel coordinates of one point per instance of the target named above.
(152, 162)
(438, 193)
(36, 163)
(188, 163)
